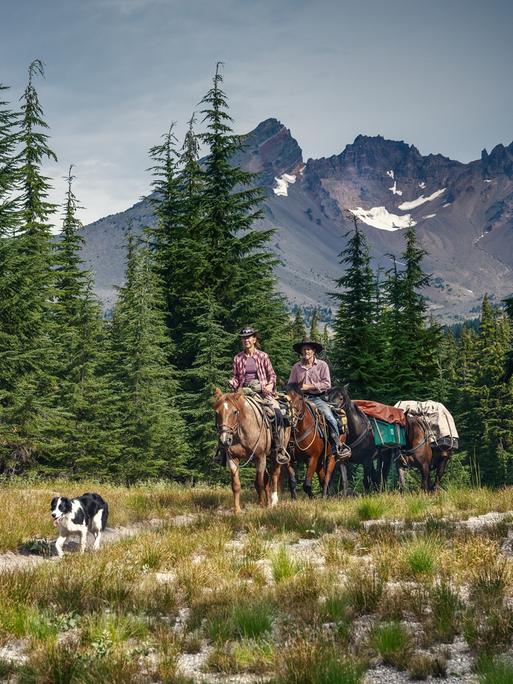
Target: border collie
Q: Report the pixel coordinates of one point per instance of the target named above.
(88, 512)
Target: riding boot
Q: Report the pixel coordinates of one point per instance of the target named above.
(341, 451)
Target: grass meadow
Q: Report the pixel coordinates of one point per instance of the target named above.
(312, 592)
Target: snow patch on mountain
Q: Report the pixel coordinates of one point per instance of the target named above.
(429, 216)
(420, 200)
(394, 189)
(379, 217)
(282, 184)
(422, 185)
(391, 174)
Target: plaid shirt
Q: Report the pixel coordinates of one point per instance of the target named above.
(264, 370)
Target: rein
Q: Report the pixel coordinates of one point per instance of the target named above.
(236, 430)
(309, 430)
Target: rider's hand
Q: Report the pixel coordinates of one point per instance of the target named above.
(269, 388)
(307, 388)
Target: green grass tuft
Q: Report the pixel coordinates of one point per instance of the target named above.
(392, 642)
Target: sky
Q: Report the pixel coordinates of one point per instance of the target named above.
(435, 74)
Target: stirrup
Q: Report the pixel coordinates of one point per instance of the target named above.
(282, 456)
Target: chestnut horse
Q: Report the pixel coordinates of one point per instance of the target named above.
(307, 426)
(244, 434)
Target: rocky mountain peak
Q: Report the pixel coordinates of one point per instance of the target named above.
(498, 162)
(271, 150)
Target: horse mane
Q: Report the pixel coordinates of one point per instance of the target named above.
(231, 397)
(293, 387)
(335, 392)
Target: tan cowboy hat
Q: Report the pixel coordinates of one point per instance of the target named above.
(310, 343)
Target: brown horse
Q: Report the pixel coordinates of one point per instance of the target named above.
(309, 437)
(245, 436)
(417, 454)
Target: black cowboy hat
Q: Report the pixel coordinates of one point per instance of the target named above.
(317, 346)
(248, 332)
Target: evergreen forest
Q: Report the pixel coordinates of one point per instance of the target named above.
(128, 397)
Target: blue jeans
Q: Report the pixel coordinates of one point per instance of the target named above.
(326, 412)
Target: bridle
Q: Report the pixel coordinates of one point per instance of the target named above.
(225, 427)
(234, 430)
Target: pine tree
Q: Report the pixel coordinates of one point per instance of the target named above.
(211, 346)
(241, 263)
(413, 343)
(33, 356)
(315, 334)
(490, 432)
(353, 347)
(10, 361)
(152, 428)
(298, 329)
(82, 436)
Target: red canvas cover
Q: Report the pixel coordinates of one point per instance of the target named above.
(389, 414)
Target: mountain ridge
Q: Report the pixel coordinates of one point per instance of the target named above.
(463, 213)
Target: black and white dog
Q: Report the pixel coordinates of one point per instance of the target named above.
(88, 512)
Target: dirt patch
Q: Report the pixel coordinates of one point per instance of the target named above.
(37, 551)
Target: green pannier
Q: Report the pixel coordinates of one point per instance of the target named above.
(387, 434)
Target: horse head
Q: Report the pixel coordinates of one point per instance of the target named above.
(339, 396)
(227, 410)
(296, 400)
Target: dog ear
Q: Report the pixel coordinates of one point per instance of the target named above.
(53, 503)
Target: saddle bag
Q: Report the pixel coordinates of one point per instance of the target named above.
(387, 435)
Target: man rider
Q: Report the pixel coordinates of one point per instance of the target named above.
(313, 376)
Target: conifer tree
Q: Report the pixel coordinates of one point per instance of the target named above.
(413, 344)
(211, 369)
(10, 359)
(315, 334)
(240, 261)
(298, 326)
(490, 430)
(353, 347)
(83, 439)
(152, 428)
(34, 354)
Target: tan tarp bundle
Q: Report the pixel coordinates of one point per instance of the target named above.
(437, 416)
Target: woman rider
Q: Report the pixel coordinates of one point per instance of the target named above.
(253, 368)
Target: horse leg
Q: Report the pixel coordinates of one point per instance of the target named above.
(312, 468)
(275, 479)
(345, 481)
(402, 482)
(368, 475)
(440, 469)
(386, 462)
(234, 471)
(292, 481)
(424, 471)
(261, 485)
(327, 476)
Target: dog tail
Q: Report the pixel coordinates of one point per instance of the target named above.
(105, 515)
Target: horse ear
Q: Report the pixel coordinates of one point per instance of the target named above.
(346, 387)
(240, 391)
(218, 394)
